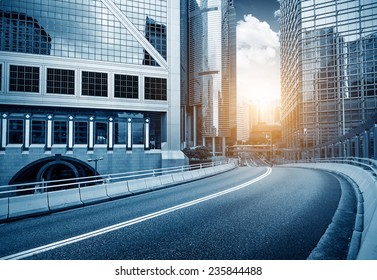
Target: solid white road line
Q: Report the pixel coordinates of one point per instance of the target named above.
(95, 233)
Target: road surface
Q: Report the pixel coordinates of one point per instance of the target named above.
(246, 213)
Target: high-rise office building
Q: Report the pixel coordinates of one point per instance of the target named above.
(329, 74)
(86, 80)
(209, 67)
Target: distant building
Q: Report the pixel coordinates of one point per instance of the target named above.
(264, 133)
(243, 122)
(328, 73)
(86, 79)
(209, 67)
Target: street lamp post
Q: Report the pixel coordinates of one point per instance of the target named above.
(95, 162)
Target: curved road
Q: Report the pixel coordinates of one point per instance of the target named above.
(247, 213)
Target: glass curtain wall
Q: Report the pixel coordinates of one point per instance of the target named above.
(211, 54)
(82, 29)
(333, 88)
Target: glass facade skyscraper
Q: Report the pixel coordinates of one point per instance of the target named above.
(210, 75)
(86, 79)
(329, 74)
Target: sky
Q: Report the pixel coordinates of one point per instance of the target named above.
(258, 68)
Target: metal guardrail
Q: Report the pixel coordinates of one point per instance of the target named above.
(46, 186)
(367, 163)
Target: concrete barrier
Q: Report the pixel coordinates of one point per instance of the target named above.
(27, 205)
(152, 182)
(195, 174)
(187, 175)
(117, 189)
(93, 193)
(202, 172)
(209, 170)
(177, 177)
(64, 199)
(4, 206)
(166, 179)
(137, 185)
(13, 207)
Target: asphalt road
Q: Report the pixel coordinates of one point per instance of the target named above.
(247, 213)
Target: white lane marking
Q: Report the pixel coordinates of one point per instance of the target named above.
(95, 233)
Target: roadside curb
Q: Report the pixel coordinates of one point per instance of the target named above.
(363, 245)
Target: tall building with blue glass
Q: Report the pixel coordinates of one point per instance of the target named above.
(329, 74)
(209, 74)
(88, 79)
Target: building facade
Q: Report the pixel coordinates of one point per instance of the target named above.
(209, 67)
(86, 80)
(329, 74)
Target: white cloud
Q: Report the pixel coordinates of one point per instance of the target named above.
(258, 72)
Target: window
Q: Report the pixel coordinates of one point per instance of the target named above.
(60, 81)
(126, 86)
(38, 132)
(16, 131)
(120, 132)
(24, 78)
(81, 133)
(94, 84)
(100, 133)
(155, 88)
(60, 132)
(138, 133)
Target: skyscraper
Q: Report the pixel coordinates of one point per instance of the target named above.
(328, 52)
(210, 74)
(87, 79)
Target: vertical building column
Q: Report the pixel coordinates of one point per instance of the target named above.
(326, 150)
(375, 140)
(348, 147)
(194, 126)
(91, 134)
(129, 134)
(147, 134)
(27, 132)
(224, 146)
(357, 146)
(70, 133)
(111, 134)
(366, 149)
(214, 146)
(4, 128)
(332, 147)
(49, 132)
(340, 148)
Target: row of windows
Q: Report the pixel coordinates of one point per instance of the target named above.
(62, 81)
(38, 135)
